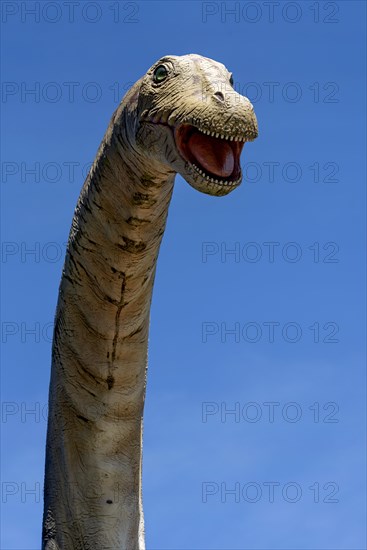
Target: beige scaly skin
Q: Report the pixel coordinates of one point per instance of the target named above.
(94, 441)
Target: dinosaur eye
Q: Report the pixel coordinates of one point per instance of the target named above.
(231, 81)
(160, 74)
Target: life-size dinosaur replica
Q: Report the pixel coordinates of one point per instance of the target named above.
(183, 116)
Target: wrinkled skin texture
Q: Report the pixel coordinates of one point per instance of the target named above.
(99, 357)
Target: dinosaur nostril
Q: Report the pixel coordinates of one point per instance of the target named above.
(219, 95)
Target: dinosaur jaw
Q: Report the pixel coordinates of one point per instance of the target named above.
(214, 158)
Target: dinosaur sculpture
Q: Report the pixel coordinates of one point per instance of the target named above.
(183, 116)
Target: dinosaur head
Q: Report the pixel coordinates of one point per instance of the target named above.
(190, 119)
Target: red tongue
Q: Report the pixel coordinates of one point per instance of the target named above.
(213, 154)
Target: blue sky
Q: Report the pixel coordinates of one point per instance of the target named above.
(302, 65)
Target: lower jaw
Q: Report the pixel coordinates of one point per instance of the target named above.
(214, 179)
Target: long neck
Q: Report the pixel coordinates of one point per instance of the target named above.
(99, 359)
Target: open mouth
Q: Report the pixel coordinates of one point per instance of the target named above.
(216, 157)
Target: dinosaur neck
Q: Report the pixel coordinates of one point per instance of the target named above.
(99, 358)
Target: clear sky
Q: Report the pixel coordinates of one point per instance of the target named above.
(258, 303)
